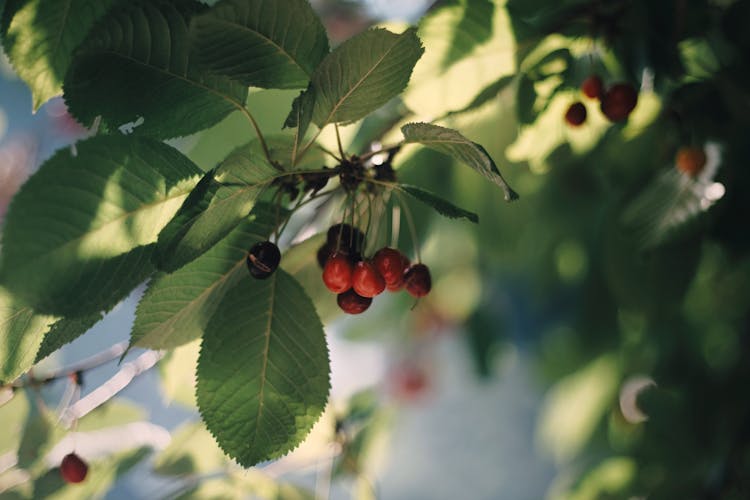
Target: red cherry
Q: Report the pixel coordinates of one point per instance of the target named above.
(366, 280)
(353, 303)
(391, 264)
(576, 114)
(418, 281)
(73, 469)
(593, 87)
(690, 160)
(337, 273)
(409, 382)
(619, 101)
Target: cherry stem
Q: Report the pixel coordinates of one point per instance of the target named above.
(410, 223)
(370, 154)
(338, 140)
(329, 153)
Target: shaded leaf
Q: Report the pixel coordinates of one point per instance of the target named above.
(176, 307)
(41, 38)
(362, 74)
(487, 94)
(78, 234)
(452, 143)
(134, 69)
(474, 28)
(300, 117)
(21, 334)
(64, 331)
(263, 370)
(218, 207)
(261, 43)
(441, 205)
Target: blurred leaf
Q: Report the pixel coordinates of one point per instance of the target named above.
(41, 38)
(575, 406)
(191, 451)
(452, 143)
(442, 206)
(116, 71)
(176, 307)
(269, 44)
(474, 28)
(263, 373)
(362, 74)
(21, 334)
(177, 371)
(15, 414)
(115, 413)
(39, 434)
(487, 94)
(64, 331)
(525, 100)
(88, 221)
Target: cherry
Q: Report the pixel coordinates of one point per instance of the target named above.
(593, 87)
(391, 264)
(353, 303)
(73, 469)
(409, 382)
(690, 160)
(262, 259)
(417, 280)
(619, 101)
(337, 273)
(345, 238)
(395, 286)
(576, 114)
(366, 279)
(324, 252)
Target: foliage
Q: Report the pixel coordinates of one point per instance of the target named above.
(621, 263)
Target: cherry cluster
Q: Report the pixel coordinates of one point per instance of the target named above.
(690, 160)
(616, 102)
(356, 280)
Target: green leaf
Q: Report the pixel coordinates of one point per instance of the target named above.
(135, 70)
(41, 38)
(78, 234)
(443, 206)
(21, 334)
(263, 370)
(191, 450)
(176, 307)
(300, 116)
(486, 95)
(452, 143)
(261, 43)
(64, 331)
(362, 74)
(474, 29)
(215, 209)
(525, 100)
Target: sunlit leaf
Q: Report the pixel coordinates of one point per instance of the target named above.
(452, 143)
(78, 234)
(261, 43)
(21, 334)
(135, 68)
(263, 373)
(41, 38)
(362, 74)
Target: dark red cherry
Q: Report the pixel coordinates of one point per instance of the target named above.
(391, 264)
(262, 259)
(353, 303)
(619, 101)
(73, 469)
(417, 280)
(324, 252)
(593, 87)
(345, 238)
(337, 273)
(366, 280)
(576, 114)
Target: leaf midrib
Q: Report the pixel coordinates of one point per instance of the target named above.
(338, 105)
(264, 368)
(260, 35)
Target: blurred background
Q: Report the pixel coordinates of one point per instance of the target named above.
(588, 341)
